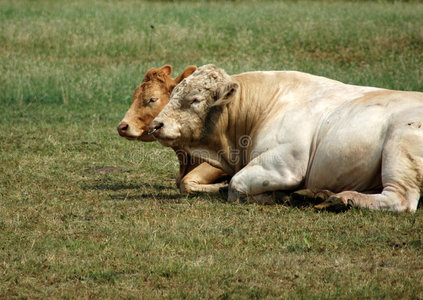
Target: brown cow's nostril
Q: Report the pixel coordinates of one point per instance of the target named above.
(123, 128)
(154, 126)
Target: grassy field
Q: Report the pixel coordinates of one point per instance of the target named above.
(87, 214)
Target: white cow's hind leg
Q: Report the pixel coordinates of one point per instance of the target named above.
(402, 174)
(392, 199)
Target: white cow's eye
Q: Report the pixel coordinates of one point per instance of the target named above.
(195, 100)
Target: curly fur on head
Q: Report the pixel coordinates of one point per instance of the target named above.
(209, 76)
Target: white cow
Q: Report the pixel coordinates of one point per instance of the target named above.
(291, 130)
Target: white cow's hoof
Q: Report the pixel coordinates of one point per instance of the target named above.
(309, 196)
(235, 195)
(333, 203)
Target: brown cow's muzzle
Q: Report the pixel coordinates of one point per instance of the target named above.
(123, 129)
(155, 127)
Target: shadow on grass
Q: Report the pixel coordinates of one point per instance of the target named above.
(123, 186)
(167, 194)
(159, 197)
(170, 194)
(161, 193)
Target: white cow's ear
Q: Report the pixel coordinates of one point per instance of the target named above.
(225, 93)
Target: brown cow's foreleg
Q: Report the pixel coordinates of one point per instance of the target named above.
(193, 187)
(204, 178)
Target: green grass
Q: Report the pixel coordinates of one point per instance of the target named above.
(87, 214)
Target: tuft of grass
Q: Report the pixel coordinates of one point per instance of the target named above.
(87, 214)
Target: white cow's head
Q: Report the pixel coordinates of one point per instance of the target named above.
(188, 116)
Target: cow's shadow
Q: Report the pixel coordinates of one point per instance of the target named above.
(110, 187)
(122, 186)
(122, 191)
(159, 197)
(170, 194)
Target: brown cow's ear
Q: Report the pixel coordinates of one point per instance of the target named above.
(188, 71)
(225, 93)
(167, 69)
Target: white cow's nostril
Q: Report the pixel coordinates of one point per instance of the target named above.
(155, 126)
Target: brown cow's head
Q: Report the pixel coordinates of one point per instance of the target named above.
(148, 100)
(187, 116)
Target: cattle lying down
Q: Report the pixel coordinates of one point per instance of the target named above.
(148, 100)
(290, 130)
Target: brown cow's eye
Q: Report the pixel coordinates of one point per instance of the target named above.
(153, 99)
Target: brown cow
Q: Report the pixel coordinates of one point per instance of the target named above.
(148, 100)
